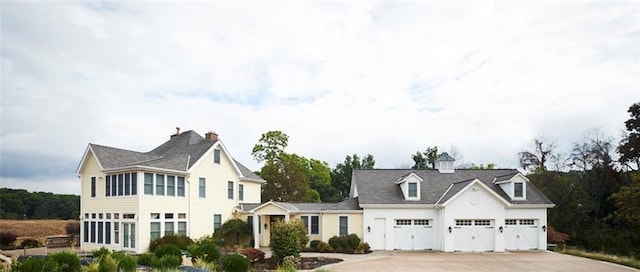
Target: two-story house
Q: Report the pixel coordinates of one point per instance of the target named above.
(189, 185)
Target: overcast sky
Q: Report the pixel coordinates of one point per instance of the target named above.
(339, 78)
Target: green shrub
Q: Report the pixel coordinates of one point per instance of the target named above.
(288, 238)
(236, 263)
(341, 244)
(100, 253)
(289, 264)
(30, 264)
(181, 241)
(166, 250)
(324, 247)
(234, 227)
(29, 243)
(333, 242)
(253, 254)
(146, 259)
(126, 263)
(7, 237)
(66, 261)
(353, 240)
(206, 251)
(107, 264)
(314, 244)
(167, 262)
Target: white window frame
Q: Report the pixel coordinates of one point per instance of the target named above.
(524, 190)
(309, 223)
(339, 217)
(240, 192)
(409, 196)
(202, 189)
(217, 154)
(230, 189)
(214, 221)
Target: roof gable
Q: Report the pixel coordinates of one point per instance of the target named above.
(463, 186)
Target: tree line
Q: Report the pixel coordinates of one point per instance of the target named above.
(21, 204)
(597, 197)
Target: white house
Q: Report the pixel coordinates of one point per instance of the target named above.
(450, 209)
(189, 185)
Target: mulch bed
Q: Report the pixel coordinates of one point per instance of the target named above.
(306, 263)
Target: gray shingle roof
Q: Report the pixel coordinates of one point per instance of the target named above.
(179, 153)
(349, 204)
(377, 186)
(445, 157)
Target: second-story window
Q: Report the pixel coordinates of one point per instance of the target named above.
(180, 186)
(202, 187)
(240, 192)
(148, 184)
(171, 185)
(230, 189)
(159, 184)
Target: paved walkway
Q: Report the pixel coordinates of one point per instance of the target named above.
(494, 262)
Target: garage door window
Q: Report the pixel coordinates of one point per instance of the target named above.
(483, 222)
(403, 222)
(421, 222)
(511, 222)
(463, 222)
(528, 222)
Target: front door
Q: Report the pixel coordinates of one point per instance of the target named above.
(129, 236)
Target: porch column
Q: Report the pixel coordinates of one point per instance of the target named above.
(286, 217)
(256, 228)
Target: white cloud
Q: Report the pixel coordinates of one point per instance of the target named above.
(339, 78)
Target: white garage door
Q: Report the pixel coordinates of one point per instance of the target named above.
(474, 235)
(521, 234)
(412, 234)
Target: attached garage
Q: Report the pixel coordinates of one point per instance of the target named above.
(474, 235)
(521, 234)
(413, 234)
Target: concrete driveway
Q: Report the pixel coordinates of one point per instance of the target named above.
(438, 261)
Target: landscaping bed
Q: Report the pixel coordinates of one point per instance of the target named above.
(304, 263)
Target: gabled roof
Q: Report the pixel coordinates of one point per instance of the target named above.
(301, 207)
(377, 186)
(179, 153)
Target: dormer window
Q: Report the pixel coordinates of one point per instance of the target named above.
(514, 185)
(518, 190)
(410, 186)
(413, 189)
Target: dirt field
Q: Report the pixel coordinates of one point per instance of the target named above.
(35, 229)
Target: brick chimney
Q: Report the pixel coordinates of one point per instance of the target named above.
(177, 133)
(211, 136)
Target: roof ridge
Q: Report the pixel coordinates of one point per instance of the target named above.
(117, 148)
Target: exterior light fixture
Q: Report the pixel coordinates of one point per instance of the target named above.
(450, 229)
(369, 229)
(265, 225)
(501, 229)
(544, 228)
